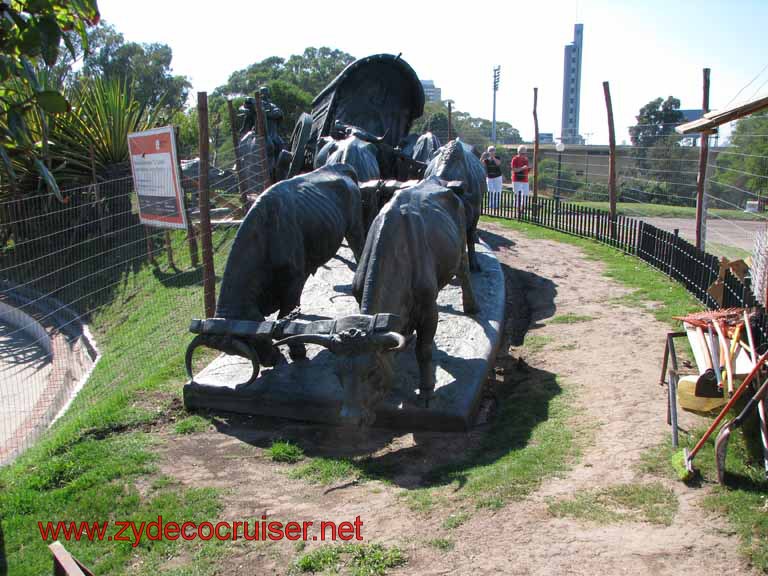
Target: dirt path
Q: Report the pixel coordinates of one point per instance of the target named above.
(609, 365)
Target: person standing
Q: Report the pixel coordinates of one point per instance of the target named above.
(520, 168)
(492, 166)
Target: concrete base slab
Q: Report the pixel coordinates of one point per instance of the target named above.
(309, 390)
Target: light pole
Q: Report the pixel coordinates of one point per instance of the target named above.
(450, 119)
(496, 74)
(560, 147)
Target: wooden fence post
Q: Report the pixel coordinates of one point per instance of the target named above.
(261, 132)
(535, 147)
(209, 279)
(611, 160)
(701, 212)
(238, 160)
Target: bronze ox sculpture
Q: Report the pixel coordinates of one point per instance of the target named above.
(415, 246)
(455, 161)
(293, 228)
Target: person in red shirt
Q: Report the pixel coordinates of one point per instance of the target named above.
(520, 168)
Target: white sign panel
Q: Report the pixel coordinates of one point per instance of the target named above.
(156, 178)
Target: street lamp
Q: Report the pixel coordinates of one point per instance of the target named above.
(496, 74)
(560, 147)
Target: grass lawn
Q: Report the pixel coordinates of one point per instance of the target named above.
(666, 211)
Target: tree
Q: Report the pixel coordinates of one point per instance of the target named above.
(656, 120)
(742, 172)
(147, 65)
(659, 173)
(310, 71)
(314, 70)
(292, 101)
(32, 32)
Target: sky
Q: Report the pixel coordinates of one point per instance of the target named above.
(645, 50)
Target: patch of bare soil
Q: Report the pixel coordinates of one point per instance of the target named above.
(611, 366)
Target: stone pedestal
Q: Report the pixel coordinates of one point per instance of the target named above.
(465, 347)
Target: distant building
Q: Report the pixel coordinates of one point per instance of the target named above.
(431, 92)
(546, 138)
(572, 88)
(690, 116)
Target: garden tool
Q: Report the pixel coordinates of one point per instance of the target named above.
(709, 385)
(723, 341)
(689, 456)
(761, 404)
(721, 442)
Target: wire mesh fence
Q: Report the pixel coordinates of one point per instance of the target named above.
(88, 292)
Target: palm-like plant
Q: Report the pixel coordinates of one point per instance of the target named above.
(95, 133)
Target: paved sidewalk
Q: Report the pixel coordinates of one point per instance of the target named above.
(24, 371)
(738, 233)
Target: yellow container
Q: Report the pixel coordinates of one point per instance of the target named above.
(687, 399)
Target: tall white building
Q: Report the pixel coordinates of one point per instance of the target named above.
(569, 131)
(431, 92)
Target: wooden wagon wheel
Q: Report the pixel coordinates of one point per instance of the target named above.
(299, 140)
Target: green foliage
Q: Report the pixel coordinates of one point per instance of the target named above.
(474, 131)
(570, 318)
(656, 120)
(30, 35)
(104, 112)
(744, 167)
(146, 68)
(325, 471)
(668, 211)
(442, 544)
(653, 503)
(310, 72)
(661, 173)
(548, 178)
(282, 451)
(191, 425)
(292, 100)
(455, 520)
(362, 559)
(422, 500)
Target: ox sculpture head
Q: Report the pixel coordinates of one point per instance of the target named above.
(363, 368)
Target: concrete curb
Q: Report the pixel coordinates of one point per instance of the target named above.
(73, 352)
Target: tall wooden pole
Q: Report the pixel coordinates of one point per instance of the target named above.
(238, 160)
(611, 159)
(535, 147)
(209, 278)
(701, 211)
(450, 120)
(261, 131)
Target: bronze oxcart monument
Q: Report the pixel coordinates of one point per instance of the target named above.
(366, 280)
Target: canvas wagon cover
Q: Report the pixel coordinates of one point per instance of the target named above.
(380, 94)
